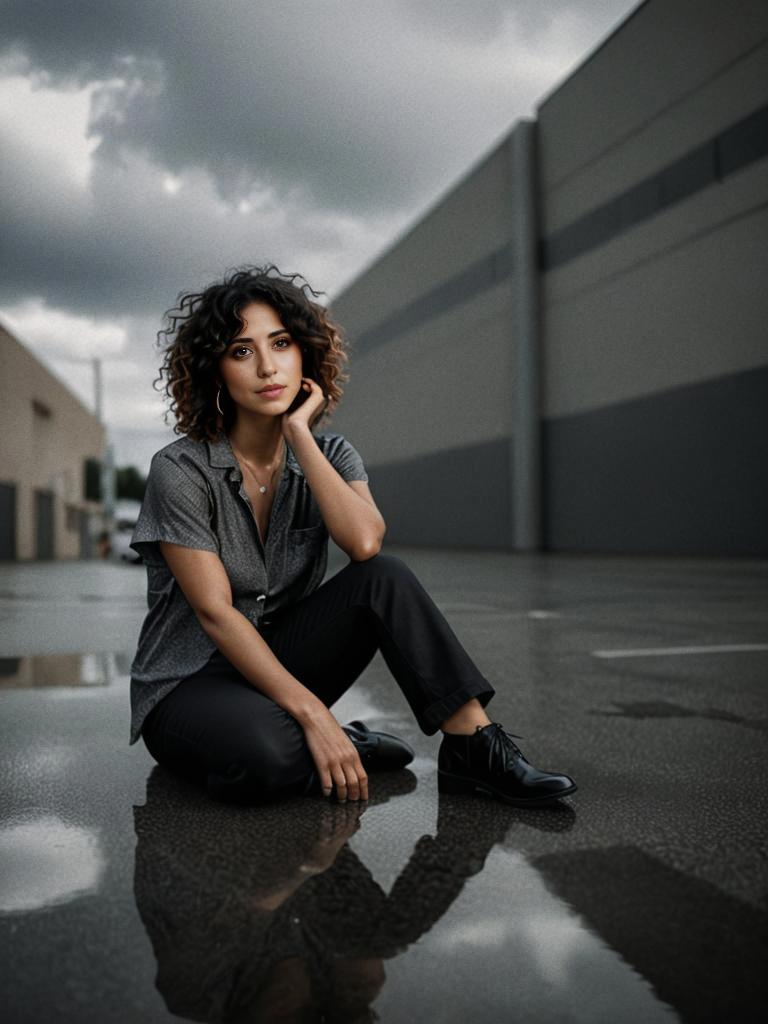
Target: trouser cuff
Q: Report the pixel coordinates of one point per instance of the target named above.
(431, 719)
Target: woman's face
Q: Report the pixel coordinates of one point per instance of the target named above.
(262, 354)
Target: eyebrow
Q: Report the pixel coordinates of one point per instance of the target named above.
(272, 334)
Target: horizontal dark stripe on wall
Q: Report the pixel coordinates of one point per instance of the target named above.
(458, 496)
(479, 276)
(681, 472)
(739, 145)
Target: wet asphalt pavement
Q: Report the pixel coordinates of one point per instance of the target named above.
(127, 895)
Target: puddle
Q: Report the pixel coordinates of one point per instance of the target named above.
(302, 917)
(358, 703)
(86, 669)
(46, 861)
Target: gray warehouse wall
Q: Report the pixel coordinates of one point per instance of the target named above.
(649, 372)
(431, 389)
(652, 163)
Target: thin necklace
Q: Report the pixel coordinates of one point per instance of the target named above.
(262, 487)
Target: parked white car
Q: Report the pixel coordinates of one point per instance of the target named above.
(126, 513)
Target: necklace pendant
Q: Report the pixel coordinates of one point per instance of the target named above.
(263, 489)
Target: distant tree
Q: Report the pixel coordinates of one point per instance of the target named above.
(130, 483)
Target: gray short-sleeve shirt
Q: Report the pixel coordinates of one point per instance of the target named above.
(195, 497)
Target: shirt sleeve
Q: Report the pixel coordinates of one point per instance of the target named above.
(176, 509)
(345, 458)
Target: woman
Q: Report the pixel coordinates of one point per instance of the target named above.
(244, 649)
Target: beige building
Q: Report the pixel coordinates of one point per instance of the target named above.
(49, 463)
(569, 351)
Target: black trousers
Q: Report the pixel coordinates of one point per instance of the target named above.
(217, 728)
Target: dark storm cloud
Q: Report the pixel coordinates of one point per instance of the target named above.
(124, 246)
(346, 116)
(338, 99)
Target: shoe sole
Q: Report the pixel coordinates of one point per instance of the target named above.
(448, 783)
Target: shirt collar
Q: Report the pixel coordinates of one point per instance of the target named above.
(220, 454)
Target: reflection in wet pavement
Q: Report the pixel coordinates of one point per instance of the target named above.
(71, 669)
(702, 950)
(46, 861)
(271, 913)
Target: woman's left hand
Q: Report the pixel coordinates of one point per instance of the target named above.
(309, 409)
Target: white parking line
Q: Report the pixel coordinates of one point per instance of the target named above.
(643, 652)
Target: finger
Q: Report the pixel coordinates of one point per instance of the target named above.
(340, 780)
(353, 784)
(325, 781)
(362, 780)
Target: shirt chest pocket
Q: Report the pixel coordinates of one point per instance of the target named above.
(303, 550)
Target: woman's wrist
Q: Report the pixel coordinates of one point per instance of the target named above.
(295, 431)
(309, 711)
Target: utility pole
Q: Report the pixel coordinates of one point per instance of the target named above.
(97, 388)
(108, 462)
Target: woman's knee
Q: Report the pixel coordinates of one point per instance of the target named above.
(262, 763)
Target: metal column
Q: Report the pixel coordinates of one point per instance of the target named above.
(526, 441)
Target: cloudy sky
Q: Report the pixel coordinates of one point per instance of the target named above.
(150, 144)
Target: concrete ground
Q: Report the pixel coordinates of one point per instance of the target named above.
(127, 895)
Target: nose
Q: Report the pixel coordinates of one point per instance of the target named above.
(265, 366)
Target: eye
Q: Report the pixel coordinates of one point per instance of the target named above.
(243, 348)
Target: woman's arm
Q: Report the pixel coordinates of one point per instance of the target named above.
(350, 513)
(205, 584)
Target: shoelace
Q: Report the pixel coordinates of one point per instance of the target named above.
(502, 747)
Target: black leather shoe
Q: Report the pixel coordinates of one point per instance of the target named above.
(379, 751)
(489, 761)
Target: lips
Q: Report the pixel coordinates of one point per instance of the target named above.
(273, 389)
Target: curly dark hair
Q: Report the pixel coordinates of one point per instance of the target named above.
(202, 323)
